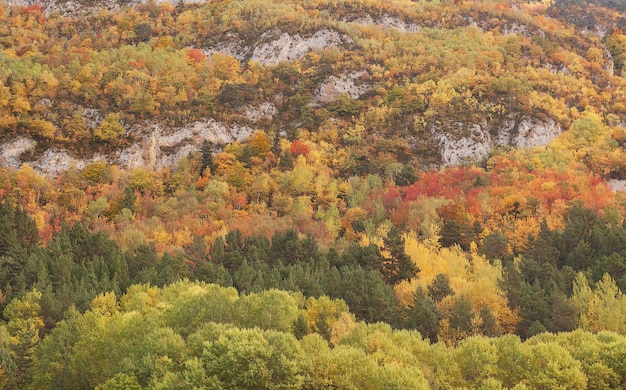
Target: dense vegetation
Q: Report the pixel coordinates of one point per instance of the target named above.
(324, 251)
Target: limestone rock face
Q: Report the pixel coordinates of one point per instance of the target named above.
(159, 146)
(286, 47)
(11, 151)
(156, 147)
(334, 86)
(461, 143)
(387, 21)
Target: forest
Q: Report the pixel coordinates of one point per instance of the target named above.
(333, 247)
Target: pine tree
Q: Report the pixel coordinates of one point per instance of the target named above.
(423, 316)
(461, 315)
(400, 266)
(206, 159)
(300, 327)
(489, 326)
(440, 288)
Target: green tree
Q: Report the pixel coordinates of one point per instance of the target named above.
(206, 157)
(254, 359)
(110, 129)
(440, 288)
(489, 325)
(398, 266)
(24, 324)
(423, 316)
(461, 315)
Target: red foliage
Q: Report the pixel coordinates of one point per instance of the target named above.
(141, 64)
(32, 9)
(391, 198)
(196, 55)
(298, 148)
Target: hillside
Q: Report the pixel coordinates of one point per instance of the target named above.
(355, 193)
(443, 83)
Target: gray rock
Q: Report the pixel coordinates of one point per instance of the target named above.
(11, 151)
(461, 143)
(272, 51)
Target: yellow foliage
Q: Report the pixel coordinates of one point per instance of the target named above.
(474, 277)
(182, 237)
(162, 237)
(333, 309)
(342, 327)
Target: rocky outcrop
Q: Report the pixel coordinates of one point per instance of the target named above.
(156, 147)
(11, 151)
(462, 143)
(161, 147)
(387, 21)
(334, 86)
(231, 45)
(74, 7)
(617, 185)
(272, 49)
(56, 161)
(264, 111)
(535, 133)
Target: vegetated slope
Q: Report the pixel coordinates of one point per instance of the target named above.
(433, 83)
(324, 192)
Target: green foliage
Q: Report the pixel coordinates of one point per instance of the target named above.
(326, 213)
(423, 316)
(24, 326)
(440, 288)
(110, 129)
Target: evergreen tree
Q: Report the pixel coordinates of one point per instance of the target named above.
(489, 325)
(24, 326)
(399, 266)
(461, 315)
(206, 158)
(300, 327)
(423, 316)
(440, 288)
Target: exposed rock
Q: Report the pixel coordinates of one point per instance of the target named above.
(461, 143)
(265, 110)
(161, 147)
(334, 86)
(272, 51)
(230, 45)
(11, 151)
(55, 161)
(74, 7)
(516, 29)
(158, 146)
(457, 148)
(92, 117)
(536, 133)
(617, 185)
(387, 21)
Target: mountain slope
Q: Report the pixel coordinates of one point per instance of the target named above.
(442, 83)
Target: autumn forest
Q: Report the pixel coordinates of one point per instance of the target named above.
(425, 197)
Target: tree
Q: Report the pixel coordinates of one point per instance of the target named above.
(24, 325)
(300, 327)
(110, 129)
(423, 316)
(407, 175)
(398, 266)
(253, 359)
(76, 129)
(97, 172)
(489, 325)
(440, 288)
(495, 246)
(461, 315)
(206, 158)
